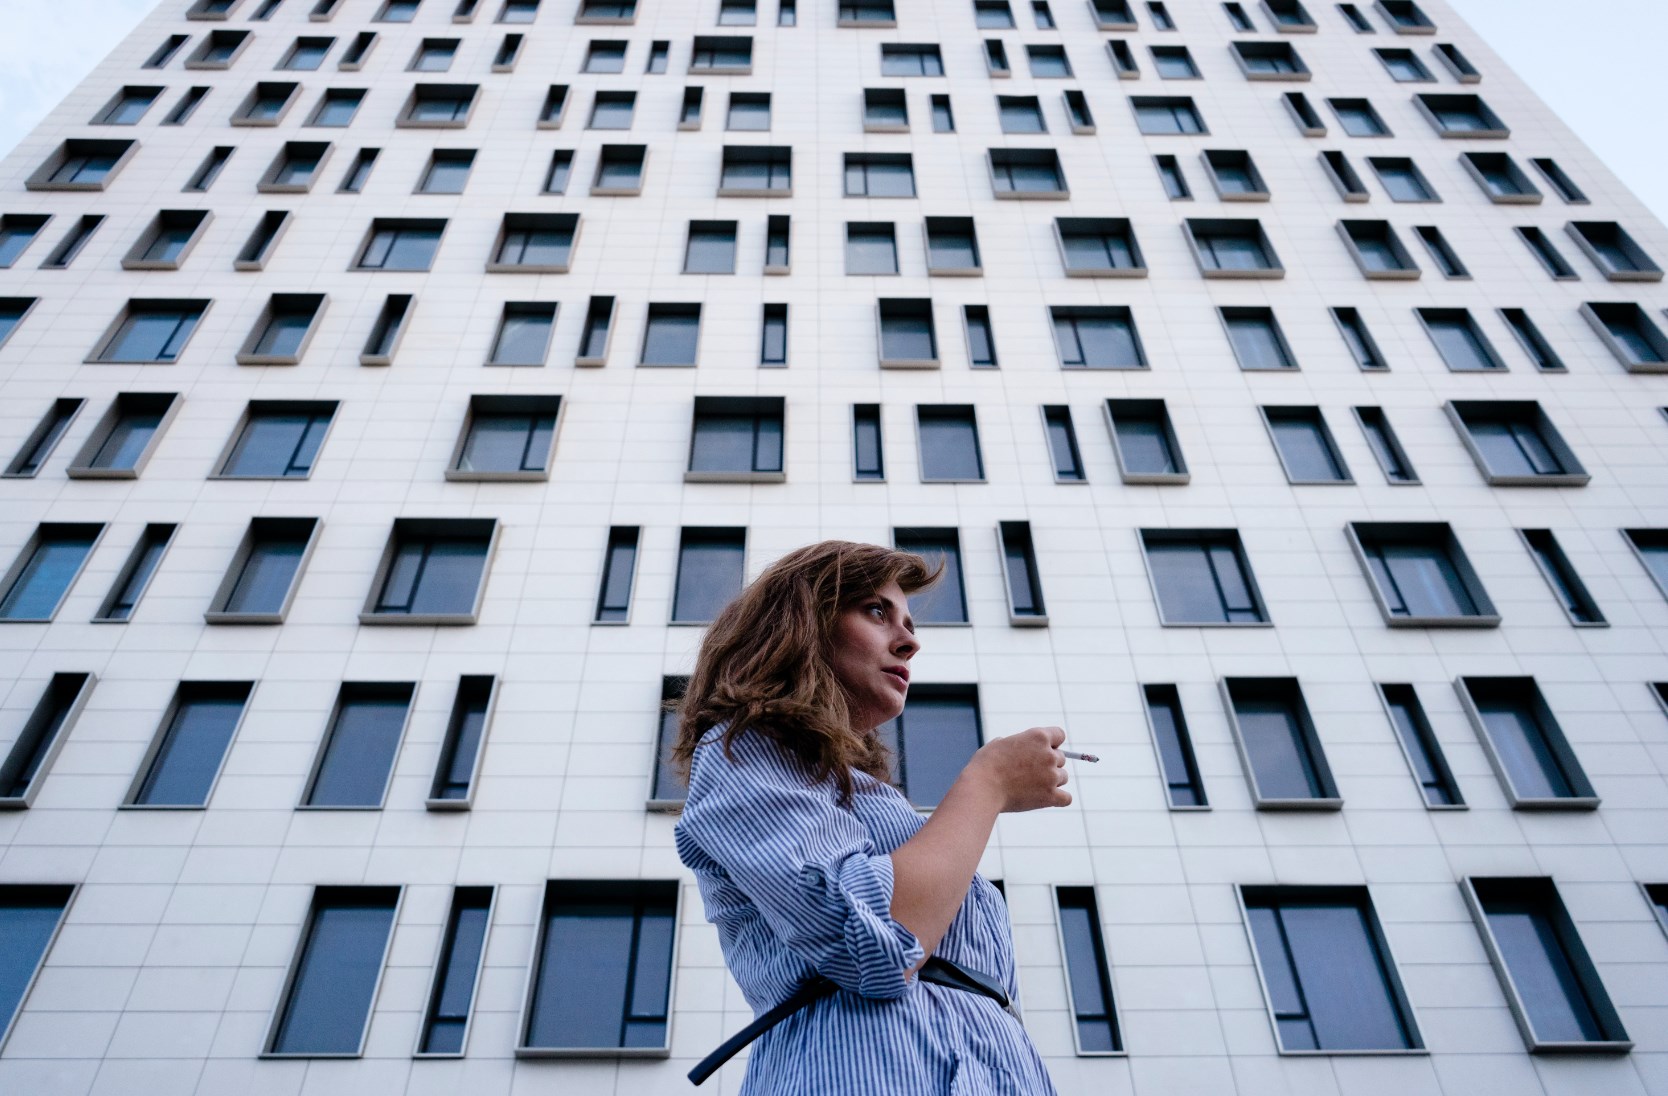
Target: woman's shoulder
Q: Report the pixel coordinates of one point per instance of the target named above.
(750, 754)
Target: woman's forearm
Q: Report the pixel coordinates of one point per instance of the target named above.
(932, 870)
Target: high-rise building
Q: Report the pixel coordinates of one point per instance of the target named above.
(391, 389)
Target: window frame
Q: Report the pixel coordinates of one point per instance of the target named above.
(1645, 269)
(396, 225)
(1573, 474)
(709, 534)
(1434, 753)
(1203, 538)
(441, 964)
(520, 403)
(277, 305)
(1429, 105)
(44, 438)
(252, 410)
(601, 606)
(185, 690)
(530, 223)
(196, 219)
(392, 321)
(1156, 693)
(1216, 159)
(289, 153)
(1429, 534)
(73, 147)
(1289, 689)
(64, 691)
(1103, 962)
(1243, 227)
(1099, 228)
(1167, 429)
(863, 414)
(358, 690)
(620, 155)
(1025, 543)
(70, 891)
(1245, 53)
(1550, 557)
(199, 57)
(998, 160)
(1323, 434)
(303, 937)
(1598, 316)
(260, 528)
(406, 119)
(122, 403)
(1583, 796)
(1356, 232)
(906, 309)
(289, 90)
(1428, 316)
(774, 157)
(1477, 163)
(947, 411)
(1227, 314)
(1117, 314)
(761, 408)
(43, 533)
(429, 528)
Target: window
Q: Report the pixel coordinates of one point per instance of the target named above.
(660, 52)
(1160, 16)
(1657, 893)
(711, 248)
(616, 941)
(323, 10)
(17, 232)
(910, 60)
(73, 242)
(1256, 338)
(1560, 574)
(749, 110)
(1327, 975)
(285, 327)
(523, 333)
(720, 56)
(166, 51)
(1534, 344)
(981, 337)
(333, 978)
(1043, 17)
(509, 51)
(447, 172)
(1173, 63)
(1615, 253)
(1157, 116)
(1526, 747)
(1020, 575)
(1232, 249)
(506, 438)
(457, 973)
(277, 440)
(879, 175)
(1144, 442)
(1048, 62)
(1463, 116)
(359, 48)
(1441, 253)
(263, 241)
(29, 919)
(1420, 576)
(127, 106)
(295, 168)
(606, 11)
(992, 15)
(1404, 66)
(560, 170)
(1171, 176)
(1358, 118)
(935, 736)
(773, 336)
(1629, 333)
(871, 248)
(1343, 176)
(952, 246)
(672, 335)
(185, 756)
(356, 758)
(620, 170)
(777, 235)
(1546, 253)
(690, 116)
(1548, 978)
(150, 331)
(1289, 16)
(1123, 60)
(1377, 250)
(1386, 447)
(595, 337)
(30, 759)
(1560, 182)
(124, 439)
(867, 13)
(1184, 786)
(1305, 445)
(400, 244)
(1651, 546)
(82, 163)
(1234, 175)
(433, 572)
(1097, 337)
(710, 573)
(554, 107)
(1201, 577)
(1500, 178)
(1020, 114)
(1027, 173)
(306, 54)
(45, 570)
(787, 13)
(759, 171)
(261, 581)
(518, 11)
(1459, 340)
(1362, 346)
(190, 99)
(266, 104)
(737, 13)
(1419, 745)
(949, 441)
(736, 439)
(1402, 179)
(619, 574)
(44, 438)
(613, 110)
(218, 49)
(1405, 17)
(1278, 745)
(1062, 444)
(397, 11)
(337, 106)
(1357, 21)
(1099, 247)
(387, 331)
(1514, 443)
(885, 110)
(359, 172)
(1113, 15)
(12, 311)
(868, 462)
(907, 335)
(1237, 18)
(1089, 988)
(1457, 63)
(1303, 114)
(1270, 61)
(438, 106)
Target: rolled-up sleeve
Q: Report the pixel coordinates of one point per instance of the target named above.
(808, 864)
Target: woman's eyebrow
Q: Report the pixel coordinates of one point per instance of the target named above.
(893, 608)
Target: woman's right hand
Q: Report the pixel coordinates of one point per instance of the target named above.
(1025, 771)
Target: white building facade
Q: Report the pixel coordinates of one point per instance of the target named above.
(390, 389)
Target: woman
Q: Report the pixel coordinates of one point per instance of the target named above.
(811, 864)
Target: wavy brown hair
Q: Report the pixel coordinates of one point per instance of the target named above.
(766, 662)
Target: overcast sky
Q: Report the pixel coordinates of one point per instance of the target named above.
(1598, 63)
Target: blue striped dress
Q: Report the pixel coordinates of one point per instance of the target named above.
(798, 884)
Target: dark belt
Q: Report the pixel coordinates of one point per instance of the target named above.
(940, 972)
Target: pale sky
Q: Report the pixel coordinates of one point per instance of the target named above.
(1598, 63)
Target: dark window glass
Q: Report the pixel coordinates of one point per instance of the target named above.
(673, 334)
(1026, 171)
(669, 787)
(279, 440)
(269, 567)
(748, 111)
(1325, 968)
(401, 245)
(135, 425)
(43, 574)
(992, 15)
(711, 248)
(1652, 546)
(128, 106)
(504, 437)
(435, 569)
(448, 171)
(1020, 114)
(454, 979)
(153, 331)
(1459, 340)
(1256, 338)
(1062, 444)
(1232, 246)
(619, 569)
(136, 573)
(949, 437)
(1420, 571)
(523, 334)
(1170, 174)
(1516, 440)
(943, 118)
(945, 602)
(952, 244)
(1086, 973)
(1145, 440)
(906, 331)
(359, 172)
(192, 745)
(710, 571)
(1401, 179)
(1019, 559)
(604, 970)
(871, 248)
(909, 60)
(30, 753)
(1362, 346)
(357, 757)
(333, 983)
(756, 169)
(1561, 576)
(1202, 577)
(880, 175)
(933, 740)
(736, 436)
(1305, 445)
(1278, 740)
(45, 437)
(868, 462)
(29, 916)
(1658, 895)
(537, 240)
(773, 335)
(1174, 63)
(17, 232)
(1097, 337)
(1183, 785)
(1093, 244)
(1387, 450)
(1525, 740)
(1358, 118)
(1157, 115)
(1424, 753)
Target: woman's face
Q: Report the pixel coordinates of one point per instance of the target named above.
(874, 639)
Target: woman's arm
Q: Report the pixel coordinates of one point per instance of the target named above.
(932, 870)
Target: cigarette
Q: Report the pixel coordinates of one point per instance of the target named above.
(1075, 756)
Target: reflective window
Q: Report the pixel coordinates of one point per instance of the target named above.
(334, 978)
(619, 571)
(279, 440)
(934, 738)
(190, 747)
(945, 602)
(1183, 785)
(1202, 577)
(461, 949)
(356, 759)
(949, 437)
(710, 572)
(29, 917)
(262, 577)
(1278, 742)
(434, 568)
(1087, 978)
